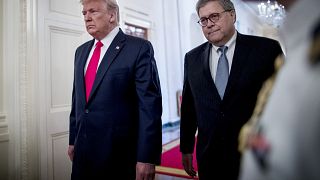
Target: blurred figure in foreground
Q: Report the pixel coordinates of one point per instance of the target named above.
(284, 142)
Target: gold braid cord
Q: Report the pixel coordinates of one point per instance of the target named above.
(251, 126)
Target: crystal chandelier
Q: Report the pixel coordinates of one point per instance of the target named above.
(272, 13)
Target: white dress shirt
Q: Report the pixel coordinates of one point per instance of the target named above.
(106, 41)
(215, 54)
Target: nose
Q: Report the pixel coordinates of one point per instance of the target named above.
(87, 17)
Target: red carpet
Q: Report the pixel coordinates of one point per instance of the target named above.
(171, 163)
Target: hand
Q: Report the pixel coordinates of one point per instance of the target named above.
(187, 165)
(71, 152)
(145, 171)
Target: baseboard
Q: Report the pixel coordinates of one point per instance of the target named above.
(170, 125)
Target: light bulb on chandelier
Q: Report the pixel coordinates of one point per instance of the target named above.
(272, 13)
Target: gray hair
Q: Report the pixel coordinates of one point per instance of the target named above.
(112, 5)
(226, 4)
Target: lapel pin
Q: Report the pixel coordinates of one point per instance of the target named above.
(117, 47)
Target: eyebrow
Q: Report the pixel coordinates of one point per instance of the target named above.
(91, 9)
(209, 15)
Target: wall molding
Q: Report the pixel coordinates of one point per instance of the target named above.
(4, 132)
(2, 117)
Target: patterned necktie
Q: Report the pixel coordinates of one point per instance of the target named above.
(222, 71)
(92, 69)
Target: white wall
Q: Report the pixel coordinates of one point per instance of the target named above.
(173, 60)
(4, 144)
(247, 20)
(190, 31)
(1, 57)
(158, 41)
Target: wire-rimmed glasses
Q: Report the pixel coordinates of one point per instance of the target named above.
(214, 17)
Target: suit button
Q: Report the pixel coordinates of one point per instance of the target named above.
(86, 111)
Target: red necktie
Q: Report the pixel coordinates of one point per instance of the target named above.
(92, 69)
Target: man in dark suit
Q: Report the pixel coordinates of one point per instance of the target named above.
(222, 79)
(115, 121)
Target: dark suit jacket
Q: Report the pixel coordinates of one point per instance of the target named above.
(219, 121)
(121, 123)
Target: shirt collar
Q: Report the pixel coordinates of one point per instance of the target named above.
(109, 38)
(231, 42)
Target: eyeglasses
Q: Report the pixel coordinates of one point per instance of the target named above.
(214, 17)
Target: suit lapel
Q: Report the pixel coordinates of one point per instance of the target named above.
(239, 60)
(205, 59)
(112, 52)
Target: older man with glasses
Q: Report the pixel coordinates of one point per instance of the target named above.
(222, 79)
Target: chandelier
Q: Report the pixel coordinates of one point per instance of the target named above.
(272, 13)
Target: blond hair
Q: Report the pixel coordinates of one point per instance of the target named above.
(112, 5)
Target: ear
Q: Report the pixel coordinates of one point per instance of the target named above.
(233, 14)
(113, 17)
